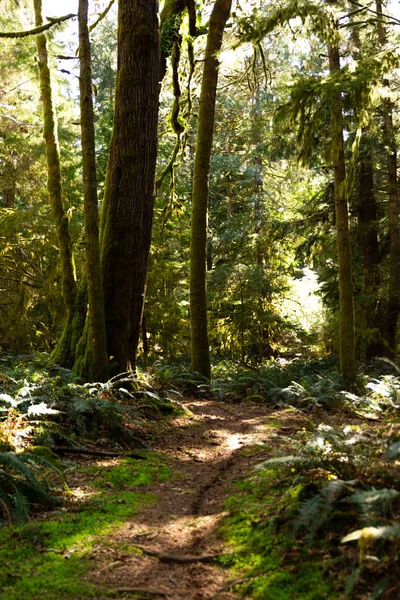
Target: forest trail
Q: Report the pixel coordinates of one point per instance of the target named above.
(207, 452)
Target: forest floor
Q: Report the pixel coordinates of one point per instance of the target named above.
(188, 522)
(177, 536)
(207, 453)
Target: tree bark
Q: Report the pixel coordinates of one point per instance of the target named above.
(97, 326)
(202, 162)
(369, 251)
(62, 353)
(346, 305)
(393, 308)
(126, 219)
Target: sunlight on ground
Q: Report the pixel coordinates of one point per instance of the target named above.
(233, 442)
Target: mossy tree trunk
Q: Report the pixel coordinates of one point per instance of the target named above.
(369, 324)
(393, 307)
(198, 240)
(346, 304)
(97, 326)
(127, 212)
(64, 353)
(369, 251)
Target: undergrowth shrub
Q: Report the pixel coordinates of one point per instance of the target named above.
(179, 379)
(43, 406)
(20, 487)
(348, 492)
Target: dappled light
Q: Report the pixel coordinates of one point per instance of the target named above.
(199, 300)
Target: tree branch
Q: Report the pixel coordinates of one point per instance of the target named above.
(36, 30)
(101, 16)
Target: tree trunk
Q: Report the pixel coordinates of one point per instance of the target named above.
(129, 195)
(369, 250)
(393, 308)
(346, 306)
(205, 130)
(97, 327)
(62, 353)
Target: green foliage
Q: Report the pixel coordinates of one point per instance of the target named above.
(343, 475)
(306, 384)
(258, 25)
(31, 308)
(267, 562)
(179, 379)
(19, 487)
(48, 406)
(44, 407)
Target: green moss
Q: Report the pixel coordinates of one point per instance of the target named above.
(260, 545)
(129, 473)
(49, 558)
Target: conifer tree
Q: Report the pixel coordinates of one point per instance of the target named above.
(64, 353)
(393, 307)
(198, 240)
(127, 212)
(346, 303)
(97, 328)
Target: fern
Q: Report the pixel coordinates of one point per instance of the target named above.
(282, 461)
(19, 486)
(20, 507)
(318, 510)
(372, 504)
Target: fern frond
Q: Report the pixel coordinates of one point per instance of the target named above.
(281, 461)
(9, 460)
(388, 532)
(393, 451)
(316, 511)
(20, 507)
(372, 503)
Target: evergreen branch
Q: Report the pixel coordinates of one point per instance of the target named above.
(11, 119)
(254, 29)
(36, 30)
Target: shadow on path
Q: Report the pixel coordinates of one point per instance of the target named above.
(207, 452)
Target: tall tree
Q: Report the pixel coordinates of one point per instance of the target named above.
(198, 243)
(127, 212)
(393, 308)
(346, 303)
(368, 327)
(63, 352)
(369, 249)
(97, 326)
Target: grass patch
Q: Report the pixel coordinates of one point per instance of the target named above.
(49, 558)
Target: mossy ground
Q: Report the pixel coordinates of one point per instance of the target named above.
(49, 557)
(267, 561)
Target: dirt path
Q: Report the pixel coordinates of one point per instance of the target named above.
(207, 453)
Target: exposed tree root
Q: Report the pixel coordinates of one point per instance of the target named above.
(168, 558)
(67, 450)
